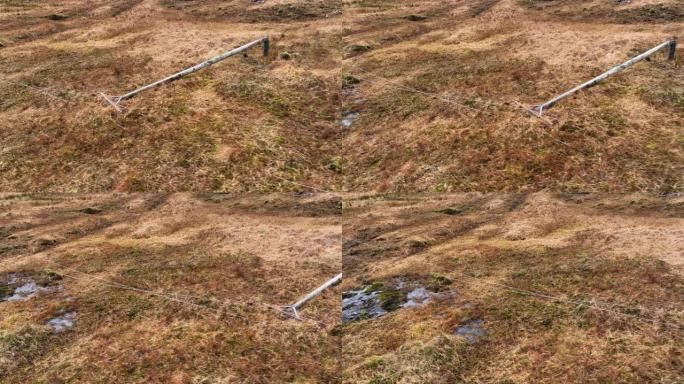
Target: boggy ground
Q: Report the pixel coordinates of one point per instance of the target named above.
(245, 124)
(610, 270)
(484, 62)
(149, 288)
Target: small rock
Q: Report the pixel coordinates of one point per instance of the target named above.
(451, 211)
(285, 56)
(349, 80)
(57, 17)
(91, 210)
(415, 17)
(42, 243)
(357, 48)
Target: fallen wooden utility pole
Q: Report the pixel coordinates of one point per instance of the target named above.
(114, 101)
(296, 306)
(538, 110)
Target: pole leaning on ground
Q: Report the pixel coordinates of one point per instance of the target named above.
(114, 101)
(296, 306)
(538, 110)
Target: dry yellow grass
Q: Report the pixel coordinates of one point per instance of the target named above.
(246, 124)
(186, 288)
(621, 253)
(249, 125)
(492, 56)
(224, 257)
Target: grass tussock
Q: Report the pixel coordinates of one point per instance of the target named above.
(489, 275)
(249, 123)
(205, 317)
(442, 105)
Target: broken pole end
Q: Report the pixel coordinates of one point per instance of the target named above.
(536, 110)
(114, 102)
(294, 314)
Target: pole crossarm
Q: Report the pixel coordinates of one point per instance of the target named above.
(115, 100)
(299, 304)
(538, 110)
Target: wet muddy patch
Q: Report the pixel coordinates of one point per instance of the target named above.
(348, 119)
(417, 298)
(23, 292)
(21, 288)
(63, 322)
(380, 298)
(361, 304)
(472, 330)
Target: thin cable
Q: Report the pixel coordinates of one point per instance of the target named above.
(43, 91)
(178, 298)
(414, 90)
(674, 326)
(511, 105)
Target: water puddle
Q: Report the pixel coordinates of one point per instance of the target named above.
(63, 322)
(349, 118)
(23, 292)
(378, 299)
(418, 298)
(22, 288)
(359, 305)
(472, 331)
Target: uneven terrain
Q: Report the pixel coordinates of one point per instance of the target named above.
(355, 95)
(436, 93)
(149, 288)
(513, 288)
(245, 124)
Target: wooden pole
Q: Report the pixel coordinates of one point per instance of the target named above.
(266, 46)
(296, 306)
(538, 110)
(114, 101)
(673, 49)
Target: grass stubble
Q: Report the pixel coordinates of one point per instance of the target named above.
(213, 263)
(491, 58)
(622, 253)
(247, 124)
